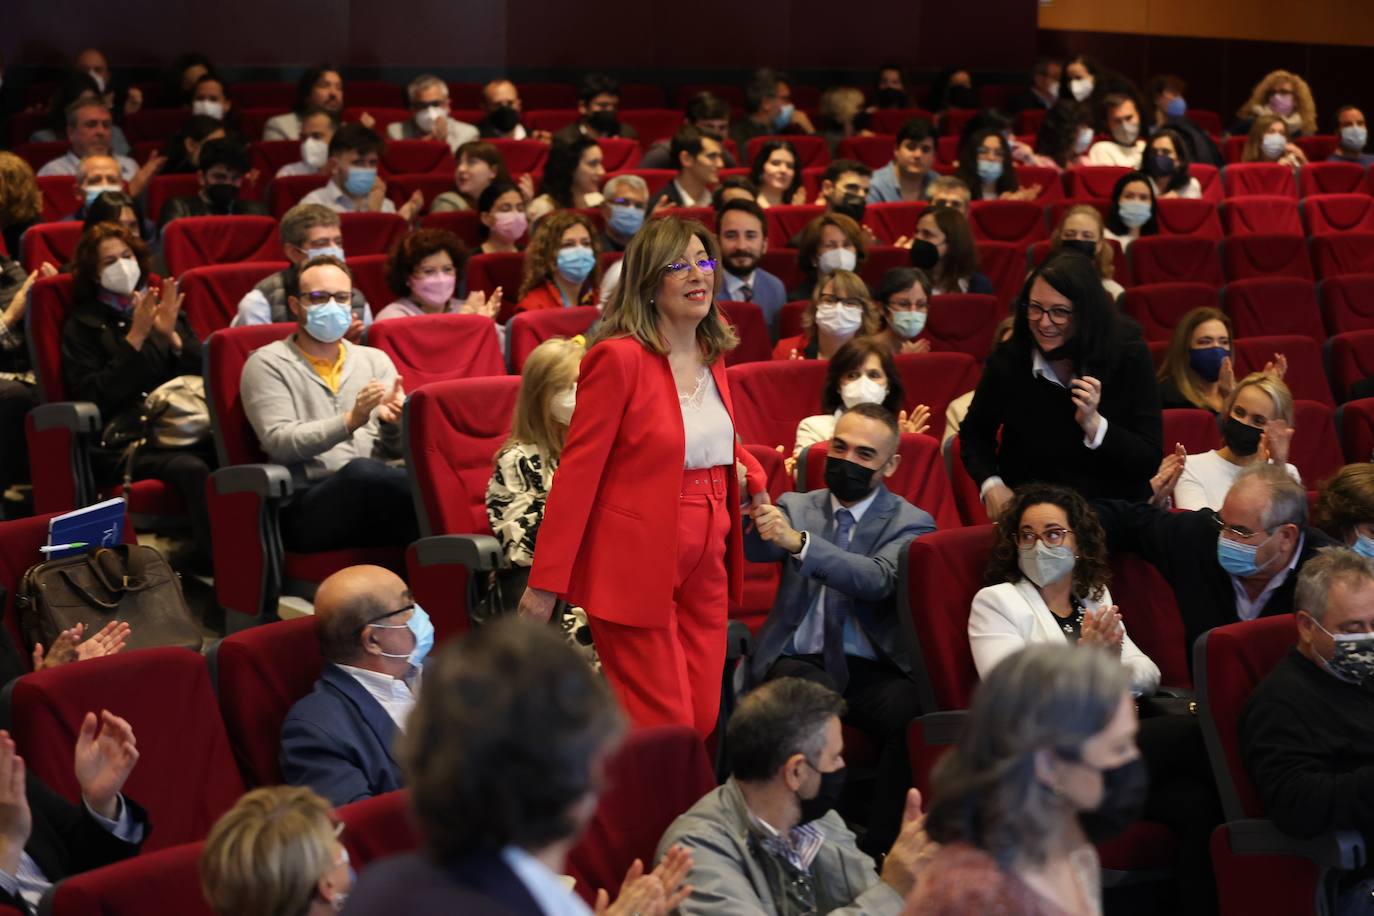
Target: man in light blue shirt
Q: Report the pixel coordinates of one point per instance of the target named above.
(908, 175)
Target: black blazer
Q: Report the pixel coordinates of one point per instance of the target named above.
(1042, 442)
(479, 885)
(1183, 547)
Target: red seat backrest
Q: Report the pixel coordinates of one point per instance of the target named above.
(890, 121)
(1003, 263)
(1273, 305)
(1316, 448)
(371, 233)
(622, 153)
(1318, 147)
(521, 156)
(788, 220)
(704, 215)
(59, 196)
(399, 188)
(453, 430)
(436, 348)
(1016, 221)
(1209, 177)
(227, 351)
(416, 157)
(1266, 255)
(1305, 377)
(781, 262)
(265, 94)
(194, 241)
(1244, 178)
(377, 827)
(269, 156)
(879, 260)
(1175, 259)
(1051, 184)
(655, 776)
(528, 330)
(373, 94)
(771, 398)
(1357, 430)
(288, 191)
(963, 323)
(51, 242)
(812, 149)
(1194, 427)
(463, 223)
(1347, 302)
(38, 153)
(652, 125)
(1152, 618)
(966, 494)
(790, 317)
(1159, 307)
(1330, 178)
(1261, 213)
(213, 292)
(920, 477)
(936, 379)
(874, 151)
(548, 95)
(260, 673)
(1185, 216)
(50, 302)
(1328, 213)
(1352, 360)
(1095, 181)
(755, 340)
(165, 881)
(1230, 661)
(1337, 255)
(185, 775)
(891, 221)
(503, 269)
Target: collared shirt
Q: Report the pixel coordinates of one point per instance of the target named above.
(688, 200)
(70, 163)
(334, 197)
(733, 284)
(396, 695)
(798, 847)
(331, 371)
(809, 639)
(1248, 609)
(30, 883)
(552, 895)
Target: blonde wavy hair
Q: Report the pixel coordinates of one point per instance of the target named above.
(1303, 106)
(550, 368)
(1271, 385)
(631, 311)
(1104, 258)
(841, 103)
(541, 257)
(20, 200)
(845, 284)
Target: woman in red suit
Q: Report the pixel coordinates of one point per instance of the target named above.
(642, 525)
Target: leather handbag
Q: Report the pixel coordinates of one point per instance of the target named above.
(131, 583)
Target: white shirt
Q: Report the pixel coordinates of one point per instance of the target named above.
(706, 427)
(1207, 477)
(609, 281)
(809, 639)
(1109, 152)
(396, 696)
(282, 127)
(333, 197)
(703, 201)
(1123, 240)
(1249, 610)
(550, 892)
(1190, 191)
(69, 163)
(457, 133)
(298, 168)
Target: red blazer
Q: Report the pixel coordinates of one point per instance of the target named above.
(548, 297)
(608, 540)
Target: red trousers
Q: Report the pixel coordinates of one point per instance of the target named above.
(672, 674)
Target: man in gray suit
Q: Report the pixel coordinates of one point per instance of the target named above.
(835, 618)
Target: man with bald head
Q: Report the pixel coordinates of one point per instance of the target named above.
(95, 174)
(373, 639)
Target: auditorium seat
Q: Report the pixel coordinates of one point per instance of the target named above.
(1055, 210)
(1345, 253)
(1184, 216)
(966, 495)
(890, 120)
(378, 827)
(785, 221)
(528, 330)
(1194, 428)
(790, 317)
(1305, 377)
(704, 215)
(38, 153)
(1318, 147)
(435, 348)
(881, 259)
(1261, 213)
(1266, 255)
(1316, 448)
(1051, 184)
(213, 292)
(486, 272)
(268, 156)
(874, 151)
(416, 157)
(194, 241)
(1352, 360)
(1175, 259)
(466, 224)
(1209, 177)
(1273, 305)
(51, 242)
(164, 881)
(548, 95)
(963, 323)
(162, 188)
(399, 189)
(1347, 302)
(1159, 307)
(1324, 214)
(1018, 221)
(1028, 120)
(287, 191)
(781, 262)
(755, 338)
(1093, 181)
(550, 119)
(59, 197)
(521, 156)
(1241, 179)
(891, 221)
(1121, 267)
(1355, 420)
(953, 120)
(1330, 178)
(936, 379)
(1004, 264)
(771, 398)
(919, 479)
(371, 233)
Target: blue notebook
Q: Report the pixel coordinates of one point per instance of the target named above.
(101, 525)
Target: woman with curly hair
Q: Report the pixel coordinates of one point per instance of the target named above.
(423, 270)
(1284, 95)
(20, 201)
(1345, 507)
(561, 270)
(1047, 582)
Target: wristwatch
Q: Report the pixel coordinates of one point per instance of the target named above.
(802, 549)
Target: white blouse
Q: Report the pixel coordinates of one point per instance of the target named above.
(1206, 479)
(706, 425)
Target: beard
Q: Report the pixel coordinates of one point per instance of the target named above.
(741, 263)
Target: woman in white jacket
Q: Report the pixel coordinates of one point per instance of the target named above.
(1050, 569)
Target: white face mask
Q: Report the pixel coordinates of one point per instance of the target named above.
(837, 259)
(314, 152)
(1081, 87)
(863, 390)
(121, 277)
(426, 117)
(1053, 88)
(561, 405)
(99, 80)
(208, 108)
(839, 320)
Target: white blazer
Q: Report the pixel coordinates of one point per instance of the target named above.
(1012, 615)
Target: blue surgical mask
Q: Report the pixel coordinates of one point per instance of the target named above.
(1083, 140)
(329, 322)
(1273, 145)
(331, 250)
(359, 180)
(989, 170)
(784, 116)
(422, 628)
(1236, 558)
(1134, 213)
(1354, 137)
(625, 220)
(575, 264)
(908, 324)
(1364, 546)
(1176, 108)
(96, 190)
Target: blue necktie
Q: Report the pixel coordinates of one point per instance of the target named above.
(837, 608)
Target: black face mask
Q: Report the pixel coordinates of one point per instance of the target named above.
(1123, 799)
(852, 206)
(848, 481)
(1082, 246)
(604, 122)
(961, 97)
(827, 797)
(504, 118)
(892, 98)
(1242, 439)
(924, 254)
(221, 197)
(1158, 165)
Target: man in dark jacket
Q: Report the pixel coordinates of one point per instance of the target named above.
(222, 167)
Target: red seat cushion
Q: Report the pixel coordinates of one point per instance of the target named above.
(59, 196)
(1316, 453)
(944, 570)
(521, 156)
(1016, 221)
(486, 272)
(1352, 360)
(786, 221)
(288, 190)
(891, 120)
(51, 242)
(1357, 430)
(463, 223)
(1266, 255)
(1347, 302)
(1305, 377)
(935, 379)
(1332, 213)
(416, 157)
(963, 323)
(195, 241)
(1330, 178)
(1003, 263)
(213, 292)
(377, 827)
(1050, 182)
(755, 340)
(874, 151)
(165, 881)
(371, 233)
(1338, 255)
(1094, 180)
(771, 398)
(1195, 428)
(652, 125)
(891, 221)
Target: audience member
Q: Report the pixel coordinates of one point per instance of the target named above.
(94, 176)
(1165, 106)
(1073, 394)
(860, 372)
(840, 309)
(123, 339)
(18, 388)
(1283, 95)
(1045, 766)
(1345, 507)
(88, 132)
(1132, 210)
(501, 789)
(1268, 141)
(769, 110)
(431, 118)
(904, 297)
(944, 248)
(354, 186)
(479, 164)
(501, 209)
(736, 187)
(844, 189)
(1197, 369)
(320, 86)
(1354, 134)
(698, 158)
(21, 203)
(1123, 123)
(598, 109)
(1083, 229)
(182, 74)
(1166, 162)
(891, 88)
(561, 268)
(952, 88)
(182, 149)
(77, 87)
(277, 851)
(841, 115)
(743, 232)
(572, 178)
(1043, 91)
(831, 241)
(909, 174)
(985, 166)
(318, 126)
(373, 638)
(116, 207)
(210, 97)
(423, 270)
(307, 231)
(777, 175)
(92, 63)
(221, 170)
(625, 198)
(948, 191)
(708, 114)
(501, 107)
(769, 839)
(345, 493)
(1064, 137)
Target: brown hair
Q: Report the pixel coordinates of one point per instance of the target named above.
(631, 311)
(541, 256)
(848, 285)
(1346, 500)
(809, 244)
(851, 356)
(1104, 256)
(414, 247)
(961, 256)
(1091, 573)
(1252, 151)
(86, 260)
(550, 368)
(20, 200)
(1176, 366)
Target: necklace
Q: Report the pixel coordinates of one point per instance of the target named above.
(694, 399)
(1075, 622)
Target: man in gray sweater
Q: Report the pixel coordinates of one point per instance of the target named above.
(331, 412)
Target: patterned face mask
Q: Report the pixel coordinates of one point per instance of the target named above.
(1353, 659)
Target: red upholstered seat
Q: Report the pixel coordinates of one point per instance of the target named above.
(1330, 178)
(1175, 259)
(1050, 181)
(787, 220)
(1356, 419)
(371, 233)
(269, 156)
(874, 151)
(936, 379)
(185, 776)
(761, 579)
(652, 125)
(963, 323)
(1323, 214)
(1273, 305)
(548, 95)
(704, 215)
(288, 190)
(1347, 302)
(416, 157)
(891, 221)
(781, 262)
(377, 827)
(812, 149)
(165, 881)
(1261, 213)
(165, 187)
(1016, 221)
(1094, 180)
(755, 339)
(771, 398)
(1340, 254)
(485, 272)
(434, 348)
(920, 477)
(38, 153)
(1266, 255)
(1245, 178)
(213, 292)
(194, 241)
(521, 156)
(51, 242)
(1121, 268)
(1159, 307)
(1056, 209)
(1305, 377)
(1316, 450)
(1028, 120)
(528, 330)
(1209, 177)
(1352, 360)
(622, 153)
(260, 673)
(1004, 263)
(399, 189)
(656, 775)
(881, 259)
(278, 95)
(1195, 428)
(59, 196)
(463, 223)
(890, 120)
(1318, 147)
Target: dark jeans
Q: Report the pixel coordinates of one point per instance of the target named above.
(882, 702)
(366, 503)
(16, 400)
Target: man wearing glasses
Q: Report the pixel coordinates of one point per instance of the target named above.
(373, 639)
(331, 412)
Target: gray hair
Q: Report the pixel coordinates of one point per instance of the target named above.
(1287, 497)
(1319, 574)
(1043, 698)
(633, 181)
(414, 87)
(79, 104)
